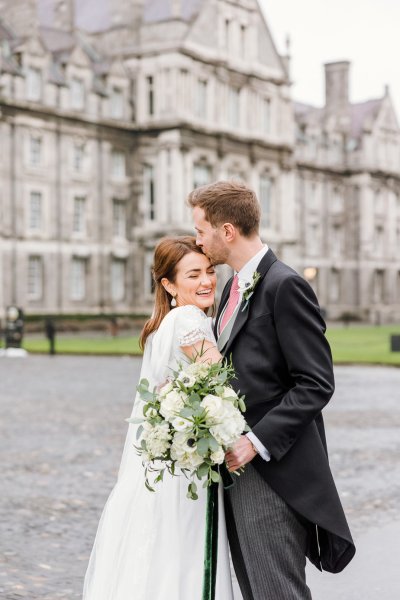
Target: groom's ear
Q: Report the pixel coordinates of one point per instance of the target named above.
(229, 232)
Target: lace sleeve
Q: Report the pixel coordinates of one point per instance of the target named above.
(193, 326)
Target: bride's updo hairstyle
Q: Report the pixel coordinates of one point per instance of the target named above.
(168, 253)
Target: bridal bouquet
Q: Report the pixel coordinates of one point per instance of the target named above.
(189, 423)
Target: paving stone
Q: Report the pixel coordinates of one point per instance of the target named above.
(61, 438)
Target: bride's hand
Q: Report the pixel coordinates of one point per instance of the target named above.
(240, 454)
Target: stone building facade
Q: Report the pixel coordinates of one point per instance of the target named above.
(110, 114)
(348, 201)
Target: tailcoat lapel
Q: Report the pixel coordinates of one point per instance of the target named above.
(243, 315)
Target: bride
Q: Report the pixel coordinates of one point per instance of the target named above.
(150, 545)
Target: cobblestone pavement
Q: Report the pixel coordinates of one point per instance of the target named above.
(61, 437)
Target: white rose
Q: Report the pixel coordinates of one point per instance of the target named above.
(230, 428)
(171, 404)
(218, 456)
(191, 461)
(213, 406)
(165, 389)
(181, 424)
(229, 393)
(197, 369)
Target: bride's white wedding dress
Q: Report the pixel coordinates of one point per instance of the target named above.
(150, 546)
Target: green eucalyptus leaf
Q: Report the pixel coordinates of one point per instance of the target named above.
(202, 446)
(146, 483)
(213, 444)
(146, 395)
(215, 476)
(139, 431)
(194, 397)
(134, 420)
(159, 476)
(199, 412)
(186, 412)
(202, 470)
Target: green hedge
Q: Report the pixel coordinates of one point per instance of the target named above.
(83, 316)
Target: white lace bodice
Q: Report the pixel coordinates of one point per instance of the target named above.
(183, 326)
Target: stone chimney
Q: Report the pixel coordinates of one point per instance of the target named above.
(20, 15)
(337, 86)
(64, 17)
(126, 13)
(176, 9)
(286, 58)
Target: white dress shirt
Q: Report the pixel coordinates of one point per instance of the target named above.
(245, 275)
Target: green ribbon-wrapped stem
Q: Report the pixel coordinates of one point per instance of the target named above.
(211, 545)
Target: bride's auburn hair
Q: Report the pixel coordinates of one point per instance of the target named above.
(168, 253)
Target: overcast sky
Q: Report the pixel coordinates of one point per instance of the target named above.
(365, 32)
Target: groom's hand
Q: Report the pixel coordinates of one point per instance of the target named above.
(240, 454)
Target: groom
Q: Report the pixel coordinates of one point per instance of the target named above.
(284, 506)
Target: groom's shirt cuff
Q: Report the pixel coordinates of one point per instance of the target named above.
(263, 452)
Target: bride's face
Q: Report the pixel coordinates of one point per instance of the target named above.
(195, 281)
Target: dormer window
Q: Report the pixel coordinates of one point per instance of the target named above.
(77, 94)
(33, 84)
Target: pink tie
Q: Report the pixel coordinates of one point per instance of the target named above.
(232, 302)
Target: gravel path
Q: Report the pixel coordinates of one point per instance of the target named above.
(61, 437)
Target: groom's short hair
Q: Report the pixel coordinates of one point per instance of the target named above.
(228, 202)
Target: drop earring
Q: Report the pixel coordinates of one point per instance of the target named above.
(173, 302)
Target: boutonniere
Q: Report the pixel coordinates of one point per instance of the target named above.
(247, 288)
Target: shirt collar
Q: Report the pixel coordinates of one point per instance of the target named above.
(245, 274)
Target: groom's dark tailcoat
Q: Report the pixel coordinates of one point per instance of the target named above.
(283, 365)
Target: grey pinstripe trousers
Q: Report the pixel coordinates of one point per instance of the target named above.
(267, 541)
